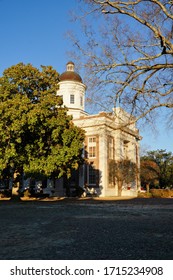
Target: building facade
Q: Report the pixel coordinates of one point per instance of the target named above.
(109, 139)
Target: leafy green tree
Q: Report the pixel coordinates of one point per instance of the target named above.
(36, 135)
(164, 162)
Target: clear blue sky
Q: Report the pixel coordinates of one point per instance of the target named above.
(33, 31)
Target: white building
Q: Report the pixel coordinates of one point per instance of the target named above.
(109, 137)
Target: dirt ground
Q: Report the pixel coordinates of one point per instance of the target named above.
(79, 229)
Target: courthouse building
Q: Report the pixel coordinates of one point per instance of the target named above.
(108, 139)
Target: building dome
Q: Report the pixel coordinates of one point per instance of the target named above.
(70, 74)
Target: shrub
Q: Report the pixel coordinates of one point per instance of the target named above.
(161, 193)
(144, 195)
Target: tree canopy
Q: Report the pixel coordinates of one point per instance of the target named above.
(127, 48)
(149, 173)
(157, 166)
(122, 172)
(36, 134)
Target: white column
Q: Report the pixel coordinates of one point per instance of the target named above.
(103, 161)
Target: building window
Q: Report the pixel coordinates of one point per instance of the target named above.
(81, 101)
(70, 67)
(92, 147)
(126, 149)
(71, 98)
(92, 152)
(92, 139)
(111, 147)
(111, 174)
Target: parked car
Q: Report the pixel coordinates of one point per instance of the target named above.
(143, 190)
(83, 192)
(23, 189)
(43, 191)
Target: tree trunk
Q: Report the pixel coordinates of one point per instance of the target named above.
(15, 195)
(67, 186)
(148, 187)
(119, 188)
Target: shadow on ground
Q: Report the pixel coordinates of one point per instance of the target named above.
(93, 200)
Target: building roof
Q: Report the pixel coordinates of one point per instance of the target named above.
(70, 74)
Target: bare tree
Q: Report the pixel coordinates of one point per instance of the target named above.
(127, 49)
(149, 173)
(122, 172)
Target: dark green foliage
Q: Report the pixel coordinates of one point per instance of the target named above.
(36, 134)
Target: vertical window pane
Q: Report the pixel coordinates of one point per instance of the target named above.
(111, 147)
(71, 98)
(92, 152)
(81, 101)
(92, 139)
(92, 147)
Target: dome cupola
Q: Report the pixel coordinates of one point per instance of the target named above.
(72, 90)
(70, 74)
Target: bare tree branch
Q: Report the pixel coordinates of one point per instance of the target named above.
(128, 51)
